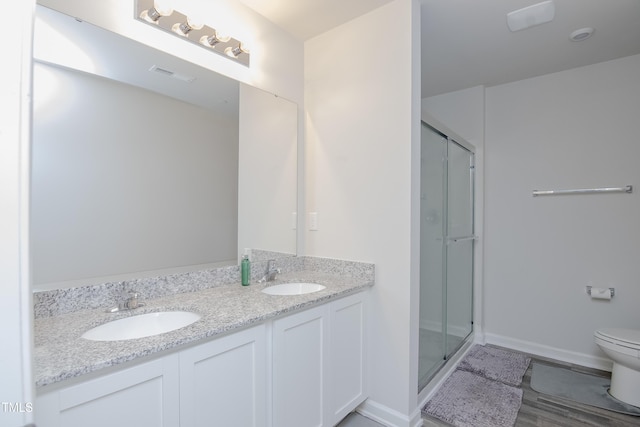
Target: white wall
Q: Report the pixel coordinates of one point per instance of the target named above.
(573, 129)
(267, 183)
(362, 128)
(462, 111)
(116, 191)
(16, 309)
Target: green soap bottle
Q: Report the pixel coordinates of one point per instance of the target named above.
(245, 270)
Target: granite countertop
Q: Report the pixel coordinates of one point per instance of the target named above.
(60, 353)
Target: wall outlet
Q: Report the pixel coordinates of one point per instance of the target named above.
(294, 220)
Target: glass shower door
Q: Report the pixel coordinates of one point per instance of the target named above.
(432, 230)
(446, 250)
(459, 247)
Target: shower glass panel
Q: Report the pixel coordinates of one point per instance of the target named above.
(459, 248)
(432, 228)
(446, 250)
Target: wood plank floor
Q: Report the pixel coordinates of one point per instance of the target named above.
(542, 410)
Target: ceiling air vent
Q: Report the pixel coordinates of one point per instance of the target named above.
(173, 75)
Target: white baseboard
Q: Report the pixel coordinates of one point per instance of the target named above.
(389, 417)
(536, 349)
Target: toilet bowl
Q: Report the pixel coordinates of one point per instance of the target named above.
(623, 347)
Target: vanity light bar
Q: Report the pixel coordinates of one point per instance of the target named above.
(181, 26)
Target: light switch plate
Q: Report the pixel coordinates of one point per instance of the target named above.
(313, 221)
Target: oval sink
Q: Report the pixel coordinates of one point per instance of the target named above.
(140, 326)
(293, 289)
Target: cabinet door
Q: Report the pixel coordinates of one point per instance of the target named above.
(347, 376)
(145, 395)
(299, 354)
(223, 382)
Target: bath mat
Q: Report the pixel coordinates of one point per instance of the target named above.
(469, 400)
(578, 387)
(496, 364)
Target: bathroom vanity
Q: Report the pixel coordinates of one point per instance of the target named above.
(251, 360)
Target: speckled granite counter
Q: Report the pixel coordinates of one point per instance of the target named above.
(60, 353)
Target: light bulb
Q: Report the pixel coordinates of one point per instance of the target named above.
(223, 38)
(184, 28)
(163, 7)
(244, 48)
(214, 39)
(194, 23)
(234, 52)
(179, 28)
(159, 9)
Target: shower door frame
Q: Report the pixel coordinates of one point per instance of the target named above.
(447, 240)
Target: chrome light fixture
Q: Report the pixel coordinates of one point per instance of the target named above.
(157, 10)
(234, 52)
(214, 39)
(184, 28)
(191, 29)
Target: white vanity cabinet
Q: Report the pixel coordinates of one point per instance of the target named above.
(304, 369)
(319, 363)
(145, 395)
(219, 383)
(223, 382)
(299, 361)
(347, 355)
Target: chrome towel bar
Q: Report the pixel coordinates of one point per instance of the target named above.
(625, 189)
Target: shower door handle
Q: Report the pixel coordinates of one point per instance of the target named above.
(460, 239)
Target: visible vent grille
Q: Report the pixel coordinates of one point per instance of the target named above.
(161, 71)
(171, 74)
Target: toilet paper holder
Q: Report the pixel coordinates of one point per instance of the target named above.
(612, 290)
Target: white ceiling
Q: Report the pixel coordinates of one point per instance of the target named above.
(305, 19)
(466, 43)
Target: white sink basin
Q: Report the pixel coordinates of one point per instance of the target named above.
(293, 289)
(140, 326)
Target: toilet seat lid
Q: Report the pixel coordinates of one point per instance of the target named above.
(627, 337)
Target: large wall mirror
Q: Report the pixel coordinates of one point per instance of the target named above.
(145, 164)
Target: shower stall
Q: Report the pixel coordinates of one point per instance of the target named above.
(446, 248)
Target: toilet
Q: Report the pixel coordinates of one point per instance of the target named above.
(623, 347)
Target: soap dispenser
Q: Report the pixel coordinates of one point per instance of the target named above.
(245, 269)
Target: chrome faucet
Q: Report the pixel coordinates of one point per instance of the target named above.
(270, 273)
(130, 302)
